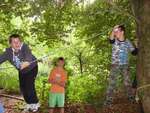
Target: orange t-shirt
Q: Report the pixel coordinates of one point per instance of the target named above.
(60, 75)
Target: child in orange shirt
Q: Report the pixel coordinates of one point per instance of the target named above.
(58, 79)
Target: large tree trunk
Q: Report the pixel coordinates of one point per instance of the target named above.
(141, 10)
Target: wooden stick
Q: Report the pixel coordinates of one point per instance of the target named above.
(12, 97)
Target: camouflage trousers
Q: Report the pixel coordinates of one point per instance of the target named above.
(117, 70)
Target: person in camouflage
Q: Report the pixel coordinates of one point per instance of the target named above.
(120, 63)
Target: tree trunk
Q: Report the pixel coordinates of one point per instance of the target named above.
(81, 63)
(141, 10)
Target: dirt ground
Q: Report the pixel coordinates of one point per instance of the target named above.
(120, 105)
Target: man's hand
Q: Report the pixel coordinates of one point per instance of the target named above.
(24, 65)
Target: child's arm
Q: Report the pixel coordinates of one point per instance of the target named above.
(51, 76)
(133, 49)
(3, 57)
(62, 84)
(52, 79)
(112, 36)
(64, 80)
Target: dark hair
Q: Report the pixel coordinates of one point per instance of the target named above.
(121, 27)
(61, 59)
(14, 36)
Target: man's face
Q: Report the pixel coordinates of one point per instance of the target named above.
(15, 43)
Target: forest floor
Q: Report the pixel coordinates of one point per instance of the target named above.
(121, 105)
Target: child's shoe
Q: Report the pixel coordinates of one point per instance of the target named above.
(132, 99)
(108, 103)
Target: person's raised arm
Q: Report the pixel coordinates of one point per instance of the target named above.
(3, 57)
(112, 35)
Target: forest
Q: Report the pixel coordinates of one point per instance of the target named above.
(77, 30)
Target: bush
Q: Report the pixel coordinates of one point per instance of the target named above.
(9, 81)
(42, 88)
(84, 89)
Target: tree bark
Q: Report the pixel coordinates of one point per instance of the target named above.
(81, 63)
(141, 9)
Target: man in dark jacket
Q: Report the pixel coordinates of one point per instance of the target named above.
(20, 56)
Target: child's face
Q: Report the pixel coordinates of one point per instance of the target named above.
(60, 63)
(16, 43)
(118, 33)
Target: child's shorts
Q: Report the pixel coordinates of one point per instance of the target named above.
(56, 99)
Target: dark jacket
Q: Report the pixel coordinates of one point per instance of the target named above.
(24, 55)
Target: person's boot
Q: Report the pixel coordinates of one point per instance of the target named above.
(35, 107)
(108, 103)
(27, 108)
(132, 99)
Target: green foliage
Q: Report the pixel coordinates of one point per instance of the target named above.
(43, 89)
(79, 89)
(9, 81)
(74, 30)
